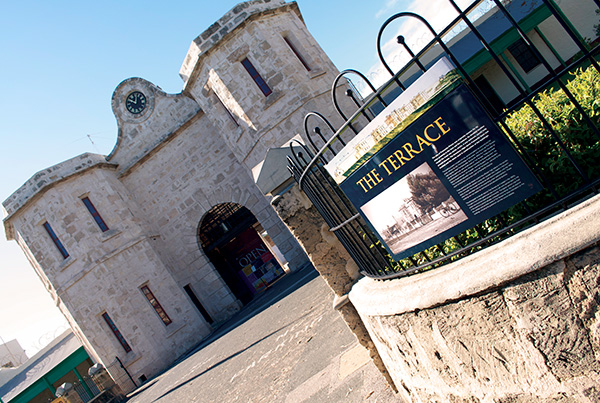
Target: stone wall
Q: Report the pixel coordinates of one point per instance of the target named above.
(219, 81)
(516, 322)
(41, 180)
(105, 270)
(193, 172)
(142, 133)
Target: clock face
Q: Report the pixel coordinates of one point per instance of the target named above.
(135, 102)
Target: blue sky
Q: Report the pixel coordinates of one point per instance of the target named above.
(62, 60)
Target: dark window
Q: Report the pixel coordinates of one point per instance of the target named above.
(194, 298)
(490, 94)
(95, 214)
(524, 55)
(256, 77)
(116, 332)
(298, 55)
(156, 305)
(226, 110)
(56, 241)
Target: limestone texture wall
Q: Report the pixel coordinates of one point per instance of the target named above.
(105, 270)
(219, 82)
(193, 172)
(517, 322)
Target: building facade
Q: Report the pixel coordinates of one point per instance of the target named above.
(541, 28)
(146, 249)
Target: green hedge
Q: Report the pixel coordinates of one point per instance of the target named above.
(578, 137)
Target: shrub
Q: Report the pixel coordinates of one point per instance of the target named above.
(579, 139)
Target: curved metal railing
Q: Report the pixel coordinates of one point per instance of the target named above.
(307, 166)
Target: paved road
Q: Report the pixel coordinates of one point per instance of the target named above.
(289, 345)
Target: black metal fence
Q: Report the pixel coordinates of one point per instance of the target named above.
(553, 124)
(87, 392)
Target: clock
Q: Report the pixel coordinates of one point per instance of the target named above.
(135, 102)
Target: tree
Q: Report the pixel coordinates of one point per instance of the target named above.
(427, 191)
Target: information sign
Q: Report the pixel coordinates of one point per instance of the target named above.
(449, 169)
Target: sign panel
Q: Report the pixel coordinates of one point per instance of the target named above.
(448, 170)
(425, 92)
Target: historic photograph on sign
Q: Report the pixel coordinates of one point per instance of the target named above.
(416, 208)
(418, 98)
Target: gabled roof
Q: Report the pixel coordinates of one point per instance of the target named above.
(21, 378)
(46, 178)
(494, 28)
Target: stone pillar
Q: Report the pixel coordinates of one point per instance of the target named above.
(329, 257)
(104, 381)
(68, 393)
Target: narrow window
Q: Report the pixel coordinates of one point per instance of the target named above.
(524, 55)
(226, 110)
(488, 92)
(256, 77)
(116, 332)
(56, 241)
(95, 214)
(196, 302)
(156, 305)
(298, 55)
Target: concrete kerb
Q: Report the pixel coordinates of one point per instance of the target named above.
(536, 247)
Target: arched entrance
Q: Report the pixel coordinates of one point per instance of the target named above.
(230, 236)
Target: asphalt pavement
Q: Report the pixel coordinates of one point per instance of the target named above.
(288, 345)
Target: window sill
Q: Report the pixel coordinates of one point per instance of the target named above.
(66, 263)
(172, 332)
(130, 358)
(316, 73)
(272, 98)
(111, 233)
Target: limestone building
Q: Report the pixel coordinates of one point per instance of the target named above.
(146, 249)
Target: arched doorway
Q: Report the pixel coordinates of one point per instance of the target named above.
(229, 236)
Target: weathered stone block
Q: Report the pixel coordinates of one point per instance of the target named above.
(531, 336)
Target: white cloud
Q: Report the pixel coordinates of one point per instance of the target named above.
(387, 8)
(439, 13)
